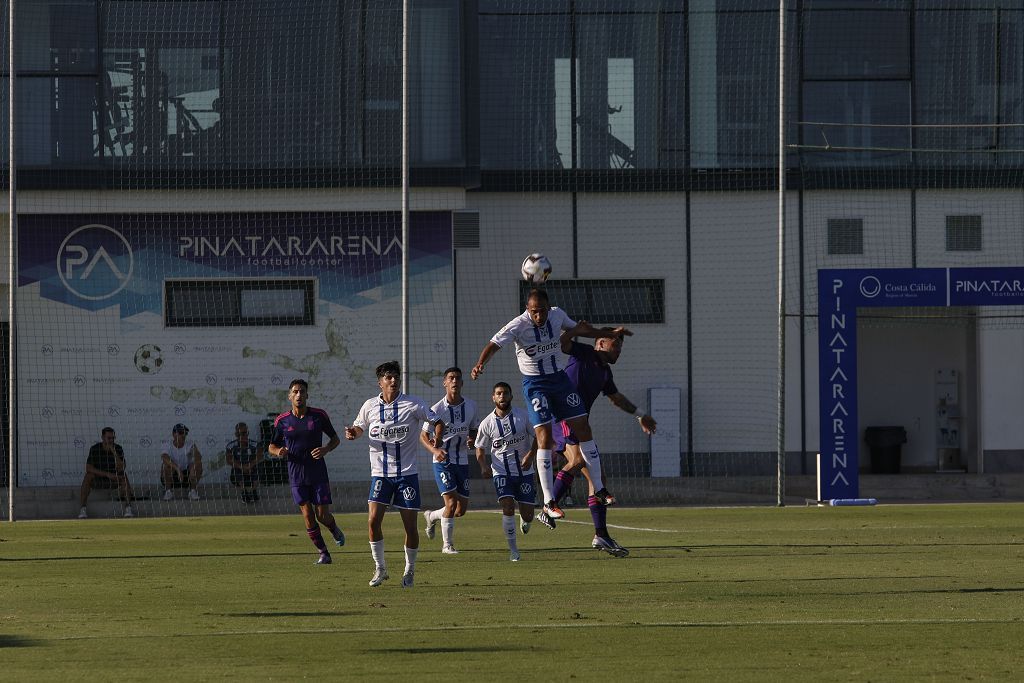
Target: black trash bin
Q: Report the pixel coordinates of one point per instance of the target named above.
(885, 443)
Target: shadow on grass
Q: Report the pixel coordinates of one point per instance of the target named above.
(440, 650)
(287, 614)
(17, 641)
(169, 556)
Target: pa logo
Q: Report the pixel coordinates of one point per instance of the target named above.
(408, 493)
(113, 349)
(179, 410)
(145, 442)
(47, 411)
(79, 442)
(211, 441)
(78, 381)
(114, 411)
(180, 348)
(95, 262)
(276, 379)
(47, 349)
(211, 379)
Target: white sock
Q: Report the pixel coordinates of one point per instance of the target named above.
(547, 476)
(410, 559)
(447, 530)
(377, 550)
(592, 457)
(436, 514)
(508, 524)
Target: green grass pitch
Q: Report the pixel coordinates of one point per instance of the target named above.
(915, 592)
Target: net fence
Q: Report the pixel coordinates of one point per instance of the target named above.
(209, 206)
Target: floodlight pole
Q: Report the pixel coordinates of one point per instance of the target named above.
(780, 268)
(405, 194)
(12, 261)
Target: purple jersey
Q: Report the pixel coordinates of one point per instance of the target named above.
(300, 435)
(591, 379)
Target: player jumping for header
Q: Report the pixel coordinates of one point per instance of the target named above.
(549, 393)
(590, 371)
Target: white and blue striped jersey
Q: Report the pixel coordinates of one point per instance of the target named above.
(394, 433)
(538, 349)
(459, 420)
(508, 440)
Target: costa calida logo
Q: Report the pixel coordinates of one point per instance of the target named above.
(95, 262)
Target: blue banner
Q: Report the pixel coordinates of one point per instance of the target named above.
(840, 294)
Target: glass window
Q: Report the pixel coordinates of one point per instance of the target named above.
(733, 92)
(846, 43)
(524, 77)
(617, 98)
(161, 80)
(239, 303)
(436, 91)
(864, 121)
(56, 117)
(56, 36)
(967, 75)
(606, 302)
(621, 109)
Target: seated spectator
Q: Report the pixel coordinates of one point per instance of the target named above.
(182, 464)
(103, 469)
(243, 456)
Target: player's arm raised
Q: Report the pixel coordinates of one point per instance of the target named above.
(585, 329)
(485, 355)
(647, 423)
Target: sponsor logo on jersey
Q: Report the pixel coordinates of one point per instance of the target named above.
(502, 443)
(389, 433)
(542, 348)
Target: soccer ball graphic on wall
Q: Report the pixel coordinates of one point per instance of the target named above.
(149, 359)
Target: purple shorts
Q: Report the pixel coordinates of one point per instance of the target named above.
(563, 435)
(317, 494)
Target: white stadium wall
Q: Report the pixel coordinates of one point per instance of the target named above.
(87, 363)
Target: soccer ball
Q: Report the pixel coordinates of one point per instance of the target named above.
(536, 268)
(149, 359)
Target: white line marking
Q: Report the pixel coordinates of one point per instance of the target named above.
(610, 526)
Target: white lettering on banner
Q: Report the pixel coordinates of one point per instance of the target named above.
(990, 286)
(869, 287)
(292, 246)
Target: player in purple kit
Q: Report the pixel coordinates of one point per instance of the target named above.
(549, 394)
(590, 371)
(298, 436)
